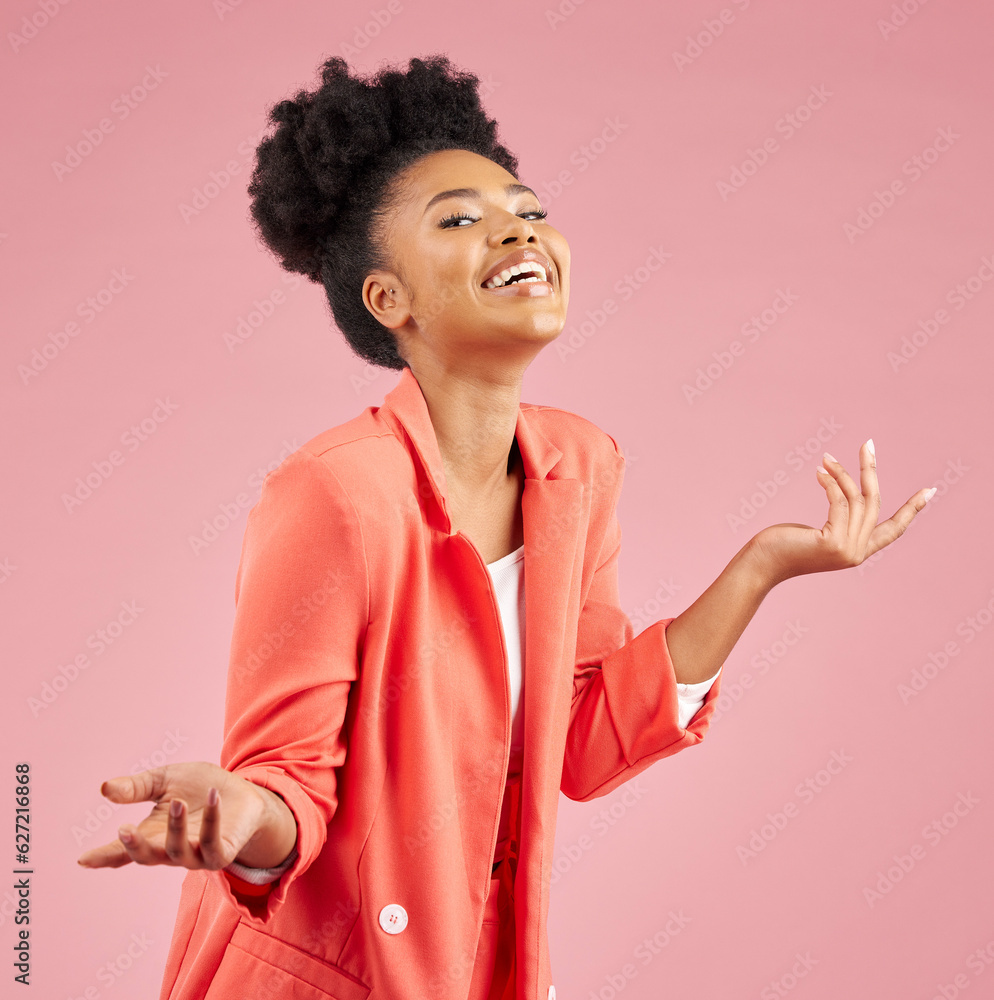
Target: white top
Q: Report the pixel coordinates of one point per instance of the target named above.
(508, 577)
(507, 574)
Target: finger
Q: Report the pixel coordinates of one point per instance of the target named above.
(210, 831)
(140, 849)
(887, 531)
(112, 855)
(871, 493)
(140, 787)
(837, 524)
(854, 498)
(179, 850)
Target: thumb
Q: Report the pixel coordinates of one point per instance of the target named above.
(135, 787)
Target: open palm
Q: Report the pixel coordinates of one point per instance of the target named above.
(185, 826)
(851, 533)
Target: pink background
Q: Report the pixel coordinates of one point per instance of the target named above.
(669, 840)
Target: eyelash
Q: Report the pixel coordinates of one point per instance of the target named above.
(445, 223)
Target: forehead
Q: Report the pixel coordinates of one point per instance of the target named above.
(450, 169)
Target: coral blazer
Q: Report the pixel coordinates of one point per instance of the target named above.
(368, 687)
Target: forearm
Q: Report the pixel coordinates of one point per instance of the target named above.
(700, 639)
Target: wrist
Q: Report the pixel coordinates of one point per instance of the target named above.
(275, 837)
(760, 569)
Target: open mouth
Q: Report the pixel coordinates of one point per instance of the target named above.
(528, 272)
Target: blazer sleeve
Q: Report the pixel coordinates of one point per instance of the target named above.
(301, 611)
(625, 713)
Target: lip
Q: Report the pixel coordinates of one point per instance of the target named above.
(519, 257)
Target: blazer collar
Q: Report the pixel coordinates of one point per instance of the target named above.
(555, 515)
(407, 410)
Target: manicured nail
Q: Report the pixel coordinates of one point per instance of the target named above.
(175, 808)
(831, 458)
(126, 837)
(212, 796)
(930, 494)
(869, 444)
(820, 469)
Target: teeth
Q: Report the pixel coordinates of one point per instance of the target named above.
(530, 267)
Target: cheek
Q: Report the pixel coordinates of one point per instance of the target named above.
(560, 245)
(438, 290)
(449, 278)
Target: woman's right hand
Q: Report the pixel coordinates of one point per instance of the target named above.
(187, 827)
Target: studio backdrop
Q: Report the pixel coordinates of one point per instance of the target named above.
(780, 218)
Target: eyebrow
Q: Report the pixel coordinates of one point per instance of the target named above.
(474, 193)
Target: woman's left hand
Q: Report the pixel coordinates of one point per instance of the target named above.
(851, 533)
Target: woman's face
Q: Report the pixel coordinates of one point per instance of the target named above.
(458, 225)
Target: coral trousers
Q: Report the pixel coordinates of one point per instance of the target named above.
(493, 968)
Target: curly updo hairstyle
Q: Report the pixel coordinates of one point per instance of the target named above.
(322, 180)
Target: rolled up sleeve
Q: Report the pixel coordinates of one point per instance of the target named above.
(301, 611)
(626, 707)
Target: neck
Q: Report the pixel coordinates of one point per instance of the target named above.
(474, 416)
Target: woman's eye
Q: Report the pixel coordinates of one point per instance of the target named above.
(456, 220)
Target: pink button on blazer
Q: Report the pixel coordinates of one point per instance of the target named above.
(367, 686)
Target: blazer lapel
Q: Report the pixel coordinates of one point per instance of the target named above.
(555, 513)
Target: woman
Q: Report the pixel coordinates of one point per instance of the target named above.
(402, 711)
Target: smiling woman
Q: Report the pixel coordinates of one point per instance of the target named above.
(429, 644)
(451, 289)
(329, 179)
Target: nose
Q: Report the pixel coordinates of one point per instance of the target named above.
(510, 229)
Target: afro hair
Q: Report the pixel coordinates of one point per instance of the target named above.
(321, 181)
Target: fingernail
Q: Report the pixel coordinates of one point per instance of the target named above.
(869, 444)
(820, 469)
(930, 494)
(175, 808)
(831, 458)
(126, 837)
(212, 796)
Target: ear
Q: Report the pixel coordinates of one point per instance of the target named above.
(385, 297)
